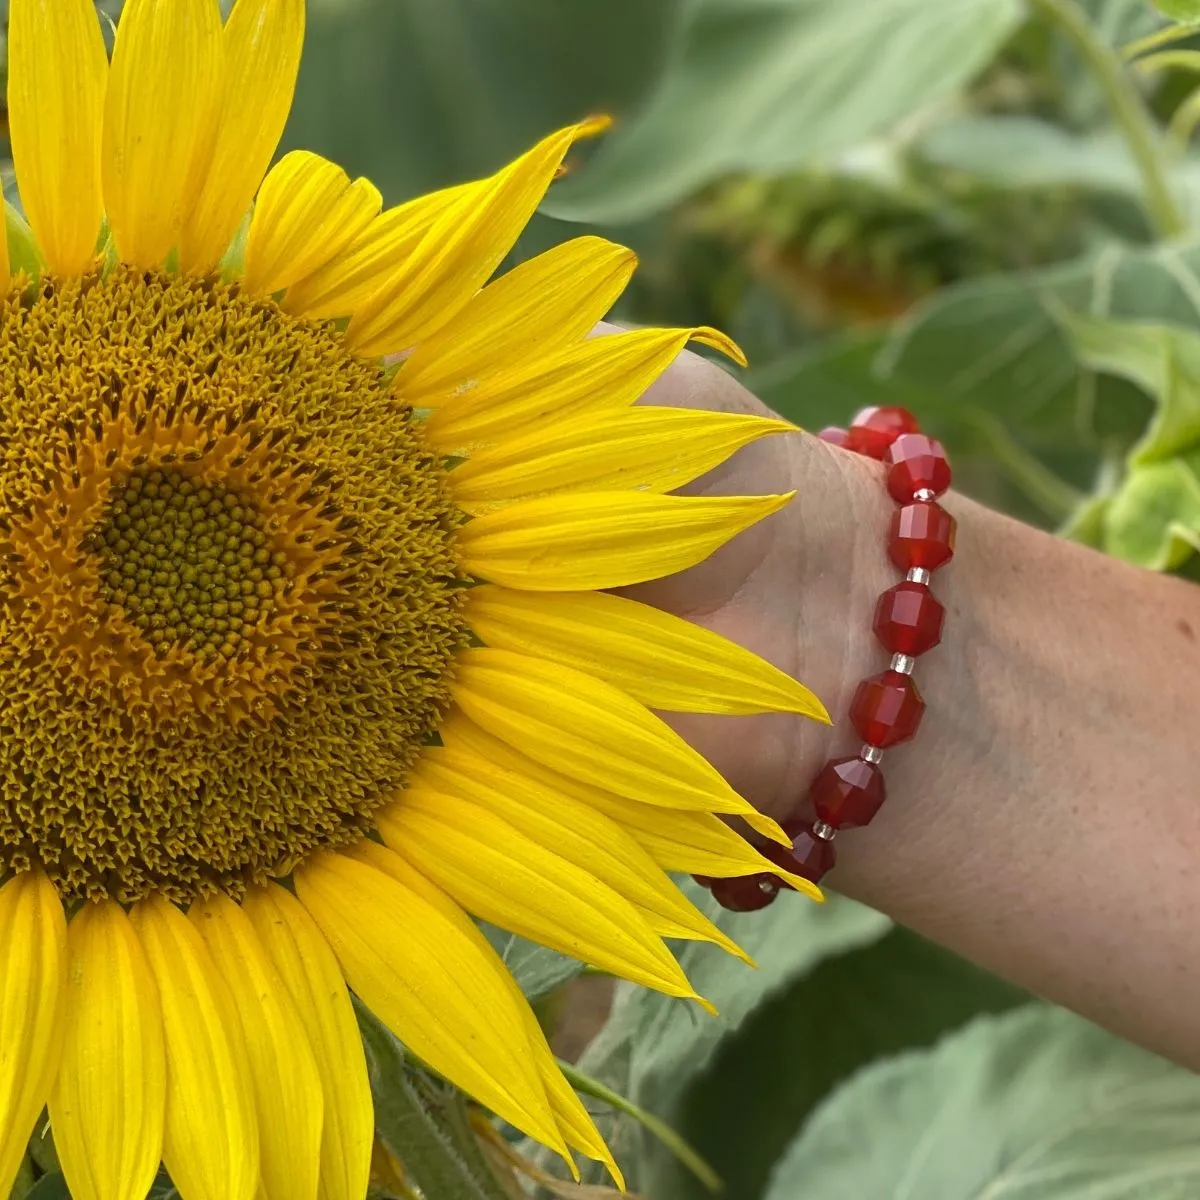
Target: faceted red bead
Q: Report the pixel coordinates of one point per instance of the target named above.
(908, 619)
(848, 792)
(814, 856)
(915, 461)
(922, 535)
(873, 430)
(835, 436)
(886, 709)
(746, 893)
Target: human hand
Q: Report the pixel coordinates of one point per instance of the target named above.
(798, 588)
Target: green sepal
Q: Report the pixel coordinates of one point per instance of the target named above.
(23, 255)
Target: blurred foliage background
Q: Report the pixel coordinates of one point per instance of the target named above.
(983, 210)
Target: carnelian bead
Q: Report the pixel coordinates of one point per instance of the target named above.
(848, 792)
(886, 709)
(908, 619)
(746, 893)
(814, 857)
(835, 436)
(916, 462)
(873, 430)
(922, 535)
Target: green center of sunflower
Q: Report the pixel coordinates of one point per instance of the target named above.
(229, 591)
(189, 566)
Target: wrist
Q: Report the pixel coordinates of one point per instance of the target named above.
(874, 537)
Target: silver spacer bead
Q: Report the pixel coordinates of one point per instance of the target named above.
(871, 754)
(919, 575)
(767, 886)
(825, 832)
(903, 663)
(924, 494)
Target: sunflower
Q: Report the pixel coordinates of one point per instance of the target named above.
(304, 655)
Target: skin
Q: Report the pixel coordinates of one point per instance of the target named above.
(1045, 822)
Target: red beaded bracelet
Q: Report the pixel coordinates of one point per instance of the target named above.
(886, 708)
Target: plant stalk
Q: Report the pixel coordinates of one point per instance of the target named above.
(1130, 114)
(655, 1125)
(1166, 36)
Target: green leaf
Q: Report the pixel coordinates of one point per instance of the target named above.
(49, 1187)
(1154, 517)
(1187, 11)
(429, 1143)
(1135, 350)
(1163, 361)
(24, 1179)
(991, 368)
(1033, 1105)
(790, 941)
(895, 994)
(1021, 153)
(653, 1047)
(1086, 524)
(1176, 424)
(773, 85)
(418, 95)
(537, 970)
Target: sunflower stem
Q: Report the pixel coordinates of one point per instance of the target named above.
(414, 1130)
(654, 1125)
(1130, 114)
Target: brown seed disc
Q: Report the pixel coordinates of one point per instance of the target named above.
(229, 593)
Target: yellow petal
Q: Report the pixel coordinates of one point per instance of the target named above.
(307, 966)
(571, 829)
(430, 986)
(33, 972)
(57, 70)
(646, 449)
(281, 1066)
(599, 375)
(659, 659)
(262, 41)
(677, 839)
(350, 279)
(578, 1128)
(589, 730)
(160, 122)
(210, 1140)
(307, 215)
(461, 250)
(539, 306)
(107, 1105)
(582, 540)
(504, 877)
(695, 842)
